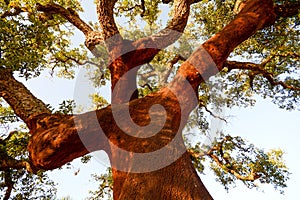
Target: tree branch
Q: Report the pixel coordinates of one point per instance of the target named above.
(69, 14)
(22, 101)
(228, 166)
(141, 6)
(200, 66)
(127, 55)
(148, 86)
(58, 139)
(147, 75)
(3, 141)
(13, 12)
(287, 10)
(201, 104)
(92, 37)
(148, 47)
(110, 31)
(258, 69)
(170, 66)
(8, 183)
(8, 162)
(251, 177)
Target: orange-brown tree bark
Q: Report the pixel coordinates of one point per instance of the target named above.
(58, 139)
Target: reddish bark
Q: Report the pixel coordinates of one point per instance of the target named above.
(58, 139)
(177, 181)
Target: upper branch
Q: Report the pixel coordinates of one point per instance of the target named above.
(69, 14)
(92, 37)
(163, 38)
(107, 22)
(255, 15)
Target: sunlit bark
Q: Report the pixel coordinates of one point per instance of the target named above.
(57, 139)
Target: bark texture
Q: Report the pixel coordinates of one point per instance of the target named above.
(58, 139)
(177, 181)
(22, 101)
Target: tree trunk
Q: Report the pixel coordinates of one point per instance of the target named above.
(177, 181)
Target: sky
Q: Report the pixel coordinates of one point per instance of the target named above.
(264, 125)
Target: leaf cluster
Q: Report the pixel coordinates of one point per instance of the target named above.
(31, 40)
(24, 185)
(105, 188)
(232, 159)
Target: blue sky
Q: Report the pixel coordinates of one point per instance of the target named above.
(264, 125)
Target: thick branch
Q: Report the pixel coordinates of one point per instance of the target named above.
(22, 101)
(69, 14)
(107, 22)
(126, 55)
(254, 16)
(58, 139)
(143, 50)
(55, 140)
(148, 47)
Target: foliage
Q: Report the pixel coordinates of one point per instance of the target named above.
(105, 188)
(31, 40)
(99, 101)
(66, 107)
(7, 114)
(25, 185)
(241, 160)
(30, 186)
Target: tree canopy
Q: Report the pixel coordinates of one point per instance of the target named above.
(208, 56)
